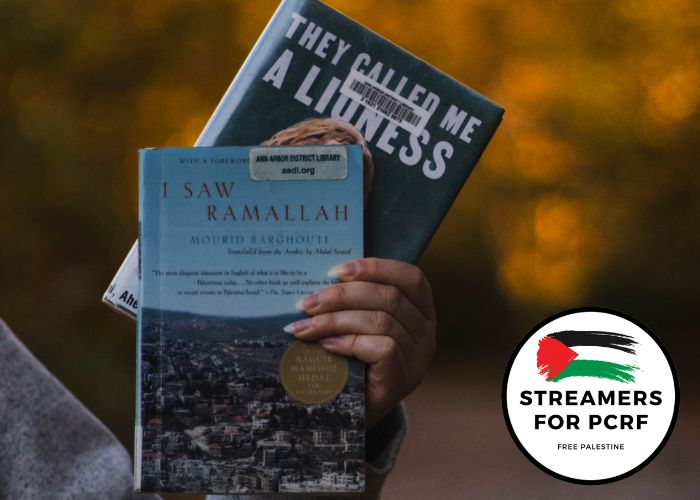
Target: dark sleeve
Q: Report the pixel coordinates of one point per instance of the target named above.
(51, 446)
(383, 444)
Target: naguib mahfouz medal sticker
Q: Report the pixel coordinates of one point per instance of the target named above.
(312, 375)
(590, 396)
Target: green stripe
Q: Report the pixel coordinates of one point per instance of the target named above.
(598, 369)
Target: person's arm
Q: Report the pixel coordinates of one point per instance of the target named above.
(382, 447)
(51, 446)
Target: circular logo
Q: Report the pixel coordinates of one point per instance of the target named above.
(312, 375)
(590, 396)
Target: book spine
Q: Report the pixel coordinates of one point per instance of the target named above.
(148, 166)
(122, 293)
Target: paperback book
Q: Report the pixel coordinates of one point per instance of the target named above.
(228, 402)
(316, 76)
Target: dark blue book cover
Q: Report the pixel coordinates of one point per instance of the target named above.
(316, 76)
(424, 130)
(228, 402)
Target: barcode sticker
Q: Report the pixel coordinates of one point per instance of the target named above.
(407, 115)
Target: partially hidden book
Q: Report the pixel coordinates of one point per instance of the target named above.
(317, 76)
(227, 401)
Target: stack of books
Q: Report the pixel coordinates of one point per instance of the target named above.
(331, 143)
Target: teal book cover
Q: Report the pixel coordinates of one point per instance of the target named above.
(316, 76)
(423, 130)
(227, 402)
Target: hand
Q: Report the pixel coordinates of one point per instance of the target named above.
(381, 313)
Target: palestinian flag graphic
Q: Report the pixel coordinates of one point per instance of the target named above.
(572, 353)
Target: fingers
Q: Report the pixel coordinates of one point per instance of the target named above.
(391, 376)
(351, 323)
(395, 370)
(368, 349)
(360, 295)
(408, 278)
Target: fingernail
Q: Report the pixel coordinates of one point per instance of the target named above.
(298, 326)
(308, 302)
(345, 270)
(329, 341)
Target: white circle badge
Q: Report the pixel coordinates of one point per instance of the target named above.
(590, 395)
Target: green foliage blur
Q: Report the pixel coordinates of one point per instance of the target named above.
(587, 195)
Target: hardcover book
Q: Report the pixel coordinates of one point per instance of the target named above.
(231, 238)
(316, 76)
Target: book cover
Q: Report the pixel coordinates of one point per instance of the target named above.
(313, 69)
(227, 402)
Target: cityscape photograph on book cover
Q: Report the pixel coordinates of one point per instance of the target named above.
(425, 131)
(228, 402)
(226, 423)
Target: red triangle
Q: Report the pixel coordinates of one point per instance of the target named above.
(553, 357)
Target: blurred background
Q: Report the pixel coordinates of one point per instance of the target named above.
(587, 195)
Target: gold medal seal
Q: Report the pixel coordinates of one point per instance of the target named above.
(312, 375)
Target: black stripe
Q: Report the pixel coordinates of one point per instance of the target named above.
(613, 340)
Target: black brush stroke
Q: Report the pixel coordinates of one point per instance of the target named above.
(612, 340)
